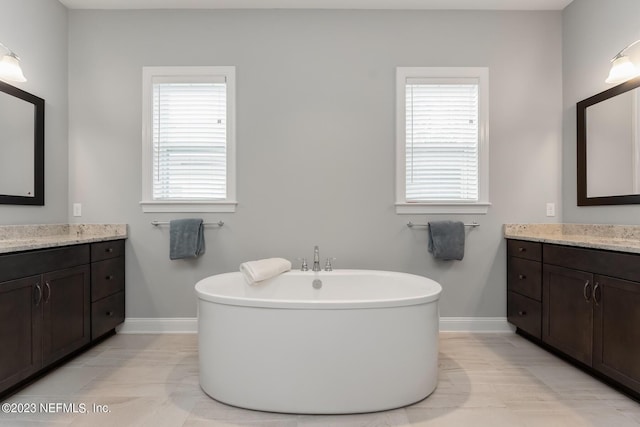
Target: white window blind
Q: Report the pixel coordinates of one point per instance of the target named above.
(189, 138)
(442, 135)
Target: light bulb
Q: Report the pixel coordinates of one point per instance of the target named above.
(10, 68)
(622, 69)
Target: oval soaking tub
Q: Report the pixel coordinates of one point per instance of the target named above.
(359, 341)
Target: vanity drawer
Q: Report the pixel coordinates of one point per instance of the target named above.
(106, 314)
(23, 264)
(106, 250)
(525, 313)
(615, 264)
(525, 277)
(107, 277)
(525, 249)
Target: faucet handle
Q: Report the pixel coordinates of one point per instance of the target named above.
(327, 266)
(303, 266)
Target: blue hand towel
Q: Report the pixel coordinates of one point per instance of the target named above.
(186, 238)
(446, 240)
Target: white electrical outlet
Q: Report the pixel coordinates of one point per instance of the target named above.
(551, 209)
(77, 209)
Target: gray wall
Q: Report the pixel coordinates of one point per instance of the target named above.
(37, 31)
(315, 135)
(593, 31)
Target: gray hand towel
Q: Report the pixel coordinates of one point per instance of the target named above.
(446, 240)
(186, 238)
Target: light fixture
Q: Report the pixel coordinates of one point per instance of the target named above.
(622, 69)
(10, 67)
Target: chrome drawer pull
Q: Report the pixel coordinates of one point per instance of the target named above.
(522, 313)
(39, 289)
(109, 277)
(596, 290)
(48, 287)
(522, 249)
(109, 313)
(522, 276)
(108, 250)
(585, 291)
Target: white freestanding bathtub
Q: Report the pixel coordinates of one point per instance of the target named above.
(364, 341)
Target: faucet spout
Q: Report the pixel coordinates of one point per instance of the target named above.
(316, 258)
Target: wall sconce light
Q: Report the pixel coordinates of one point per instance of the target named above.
(622, 69)
(10, 66)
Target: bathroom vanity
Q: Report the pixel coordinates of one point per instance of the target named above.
(61, 289)
(575, 289)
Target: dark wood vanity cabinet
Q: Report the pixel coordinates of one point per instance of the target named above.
(590, 308)
(46, 315)
(107, 286)
(616, 335)
(567, 315)
(66, 312)
(46, 307)
(20, 330)
(524, 287)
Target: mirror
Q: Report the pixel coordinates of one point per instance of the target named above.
(609, 146)
(21, 147)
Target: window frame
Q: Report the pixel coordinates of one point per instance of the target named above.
(481, 206)
(148, 204)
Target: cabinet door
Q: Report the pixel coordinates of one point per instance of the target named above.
(616, 334)
(567, 313)
(20, 330)
(67, 317)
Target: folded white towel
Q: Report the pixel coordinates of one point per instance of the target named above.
(257, 271)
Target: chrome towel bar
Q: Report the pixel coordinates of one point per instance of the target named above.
(158, 223)
(411, 225)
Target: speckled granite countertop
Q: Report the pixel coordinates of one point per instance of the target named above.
(621, 238)
(16, 238)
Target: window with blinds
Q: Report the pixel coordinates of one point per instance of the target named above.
(188, 139)
(442, 144)
(441, 141)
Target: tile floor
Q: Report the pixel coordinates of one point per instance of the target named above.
(485, 380)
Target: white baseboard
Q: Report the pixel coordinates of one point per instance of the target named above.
(475, 324)
(160, 325)
(189, 325)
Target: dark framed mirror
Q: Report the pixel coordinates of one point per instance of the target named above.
(21, 147)
(609, 146)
